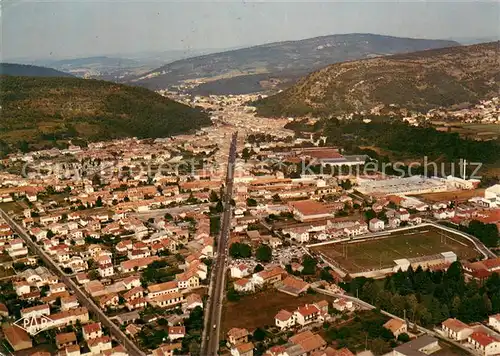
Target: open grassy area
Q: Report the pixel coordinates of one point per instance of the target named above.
(493, 128)
(381, 253)
(457, 195)
(259, 309)
(16, 207)
(6, 272)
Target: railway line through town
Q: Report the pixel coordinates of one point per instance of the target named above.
(213, 312)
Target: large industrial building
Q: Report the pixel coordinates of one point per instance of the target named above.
(409, 185)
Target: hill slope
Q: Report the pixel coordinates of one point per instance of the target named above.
(44, 111)
(418, 81)
(292, 57)
(29, 70)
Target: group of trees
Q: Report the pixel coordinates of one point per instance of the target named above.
(366, 327)
(396, 136)
(486, 233)
(240, 250)
(263, 253)
(159, 272)
(119, 111)
(308, 266)
(431, 297)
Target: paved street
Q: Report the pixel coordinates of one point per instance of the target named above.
(86, 301)
(210, 342)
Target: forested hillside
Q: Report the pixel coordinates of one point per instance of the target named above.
(44, 112)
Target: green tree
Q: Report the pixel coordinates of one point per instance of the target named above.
(264, 253)
(309, 263)
(258, 268)
(213, 196)
(240, 250)
(251, 202)
(325, 274)
(259, 335)
(232, 295)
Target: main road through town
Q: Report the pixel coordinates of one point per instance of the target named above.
(210, 340)
(86, 301)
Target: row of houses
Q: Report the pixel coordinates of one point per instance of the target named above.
(483, 340)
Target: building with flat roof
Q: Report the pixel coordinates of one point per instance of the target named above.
(409, 185)
(429, 261)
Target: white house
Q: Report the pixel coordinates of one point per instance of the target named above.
(36, 311)
(176, 332)
(299, 234)
(243, 285)
(240, 271)
(484, 344)
(284, 319)
(494, 321)
(92, 331)
(455, 329)
(343, 304)
(444, 214)
(376, 225)
(306, 314)
(402, 214)
(106, 270)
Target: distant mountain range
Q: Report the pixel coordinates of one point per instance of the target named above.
(30, 70)
(115, 67)
(418, 81)
(281, 61)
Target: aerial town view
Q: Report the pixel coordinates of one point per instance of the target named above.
(250, 178)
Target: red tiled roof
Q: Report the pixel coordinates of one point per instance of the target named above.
(308, 309)
(483, 339)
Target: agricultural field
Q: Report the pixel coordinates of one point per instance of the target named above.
(474, 131)
(456, 195)
(374, 254)
(259, 309)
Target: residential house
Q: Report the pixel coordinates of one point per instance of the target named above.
(92, 331)
(98, 345)
(306, 314)
(494, 321)
(284, 319)
(17, 338)
(245, 349)
(109, 300)
(306, 343)
(65, 339)
(192, 301)
(485, 344)
(293, 286)
(268, 277)
(36, 311)
(70, 302)
(396, 326)
(167, 300)
(421, 346)
(166, 350)
(455, 329)
(240, 271)
(376, 225)
(237, 336)
(343, 304)
(163, 288)
(243, 285)
(176, 332)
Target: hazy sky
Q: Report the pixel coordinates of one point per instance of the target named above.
(73, 28)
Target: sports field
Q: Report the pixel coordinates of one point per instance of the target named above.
(374, 254)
